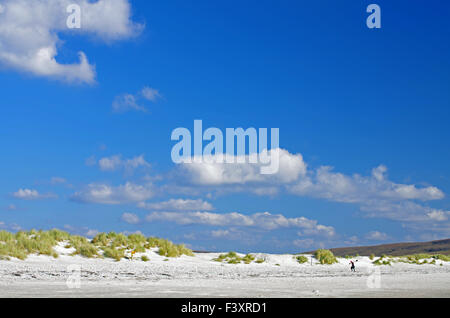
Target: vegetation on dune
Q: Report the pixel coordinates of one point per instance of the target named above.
(445, 258)
(380, 261)
(301, 259)
(234, 258)
(230, 258)
(114, 253)
(325, 257)
(117, 246)
(113, 245)
(22, 244)
(82, 246)
(421, 259)
(418, 259)
(247, 259)
(169, 249)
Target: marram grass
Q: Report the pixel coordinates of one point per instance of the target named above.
(325, 257)
(234, 258)
(110, 245)
(301, 259)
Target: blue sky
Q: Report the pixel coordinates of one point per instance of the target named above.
(86, 147)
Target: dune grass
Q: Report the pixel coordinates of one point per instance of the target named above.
(114, 245)
(380, 261)
(22, 244)
(325, 257)
(421, 259)
(114, 253)
(111, 245)
(301, 259)
(418, 259)
(234, 258)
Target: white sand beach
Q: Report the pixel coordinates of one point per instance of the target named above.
(201, 276)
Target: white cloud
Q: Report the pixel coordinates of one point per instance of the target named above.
(377, 236)
(334, 186)
(178, 205)
(105, 194)
(127, 102)
(116, 162)
(130, 218)
(375, 194)
(265, 220)
(29, 32)
(405, 211)
(110, 164)
(294, 176)
(31, 194)
(150, 94)
(10, 227)
(319, 229)
(438, 215)
(211, 172)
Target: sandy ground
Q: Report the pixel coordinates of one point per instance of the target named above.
(200, 276)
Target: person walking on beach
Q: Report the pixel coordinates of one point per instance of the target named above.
(352, 268)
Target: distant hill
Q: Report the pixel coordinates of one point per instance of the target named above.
(397, 249)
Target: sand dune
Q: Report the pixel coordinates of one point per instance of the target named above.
(201, 276)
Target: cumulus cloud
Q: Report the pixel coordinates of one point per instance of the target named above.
(130, 218)
(295, 177)
(438, 215)
(31, 194)
(178, 205)
(212, 172)
(265, 221)
(106, 194)
(375, 194)
(29, 34)
(335, 186)
(406, 211)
